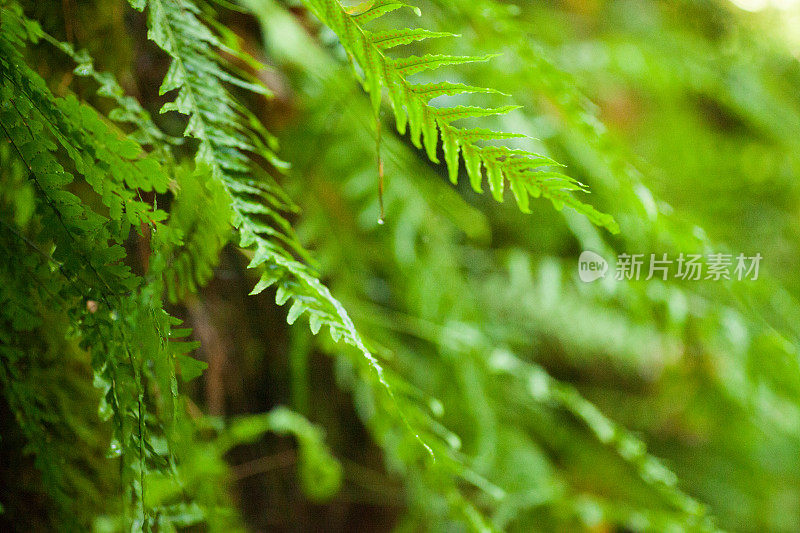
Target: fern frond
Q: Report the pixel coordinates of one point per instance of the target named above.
(227, 134)
(115, 166)
(191, 256)
(199, 205)
(128, 110)
(118, 318)
(411, 103)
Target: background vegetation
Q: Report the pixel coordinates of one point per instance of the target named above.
(437, 365)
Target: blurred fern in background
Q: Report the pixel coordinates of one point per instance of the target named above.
(174, 171)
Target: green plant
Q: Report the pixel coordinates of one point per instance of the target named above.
(496, 386)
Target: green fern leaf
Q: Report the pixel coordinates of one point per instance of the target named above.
(225, 132)
(430, 125)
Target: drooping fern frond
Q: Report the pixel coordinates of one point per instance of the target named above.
(199, 212)
(113, 165)
(417, 232)
(431, 126)
(227, 134)
(128, 110)
(78, 246)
